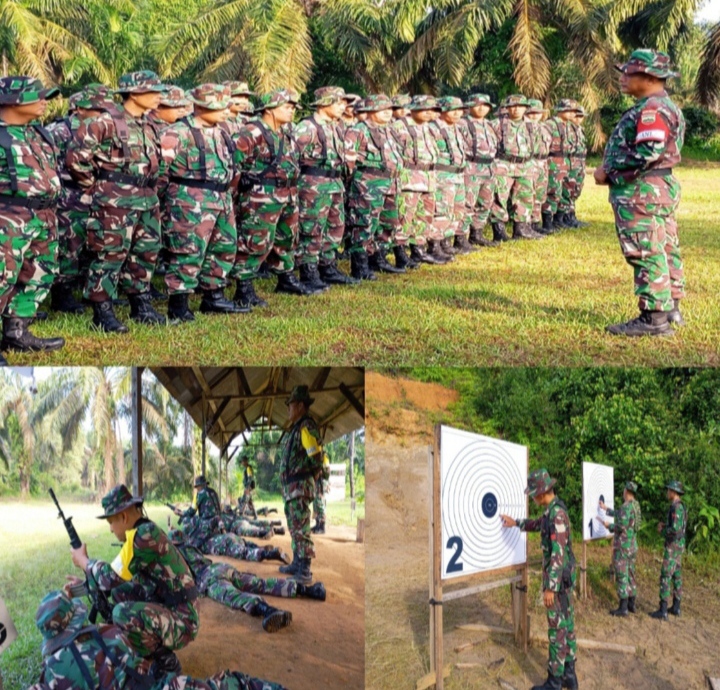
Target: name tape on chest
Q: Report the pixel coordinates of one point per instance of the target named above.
(651, 127)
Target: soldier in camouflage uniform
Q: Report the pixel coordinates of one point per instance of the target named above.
(300, 464)
(573, 183)
(149, 584)
(173, 105)
(240, 107)
(625, 528)
(77, 654)
(558, 578)
(245, 502)
(321, 191)
(558, 163)
(674, 532)
(116, 157)
(374, 163)
(541, 148)
(348, 118)
(644, 194)
(199, 231)
(29, 190)
(513, 173)
(322, 486)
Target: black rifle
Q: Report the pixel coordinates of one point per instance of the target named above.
(174, 509)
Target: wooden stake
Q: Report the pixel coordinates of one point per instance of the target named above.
(583, 574)
(437, 564)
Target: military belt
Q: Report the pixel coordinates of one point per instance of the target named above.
(184, 596)
(122, 178)
(657, 172)
(541, 157)
(28, 202)
(298, 476)
(514, 159)
(480, 159)
(320, 172)
(557, 154)
(449, 168)
(421, 166)
(275, 182)
(201, 184)
(72, 185)
(380, 172)
(581, 156)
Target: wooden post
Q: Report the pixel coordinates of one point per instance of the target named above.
(136, 429)
(436, 612)
(583, 573)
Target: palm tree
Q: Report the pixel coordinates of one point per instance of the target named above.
(708, 82)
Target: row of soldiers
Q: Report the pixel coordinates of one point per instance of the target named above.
(207, 189)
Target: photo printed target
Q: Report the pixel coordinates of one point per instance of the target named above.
(598, 483)
(480, 479)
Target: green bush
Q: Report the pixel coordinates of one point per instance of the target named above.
(702, 125)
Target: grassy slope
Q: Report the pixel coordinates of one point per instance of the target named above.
(533, 303)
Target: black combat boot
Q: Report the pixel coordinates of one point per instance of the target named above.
(332, 275)
(576, 222)
(104, 318)
(178, 309)
(164, 661)
(245, 295)
(378, 262)
(316, 591)
(674, 316)
(437, 253)
(648, 323)
(63, 300)
(447, 247)
(289, 284)
(547, 223)
(631, 604)
(273, 553)
(264, 271)
(662, 612)
(522, 231)
(279, 530)
(3, 361)
(215, 302)
(142, 311)
(359, 266)
(463, 246)
(291, 567)
(569, 679)
(622, 610)
(476, 238)
(552, 683)
(558, 220)
(273, 619)
(499, 234)
(303, 573)
(17, 337)
(310, 278)
(156, 295)
(402, 260)
(421, 256)
(675, 608)
(319, 527)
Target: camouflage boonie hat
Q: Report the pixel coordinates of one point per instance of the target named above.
(327, 95)
(59, 619)
(276, 98)
(374, 103)
(145, 81)
(539, 482)
(479, 99)
(24, 90)
(423, 102)
(401, 100)
(117, 500)
(300, 394)
(352, 98)
(200, 480)
(631, 487)
(567, 104)
(675, 486)
(93, 96)
(448, 103)
(514, 99)
(647, 61)
(535, 106)
(238, 88)
(174, 97)
(211, 96)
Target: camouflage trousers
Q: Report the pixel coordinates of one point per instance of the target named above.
(125, 243)
(28, 259)
(267, 231)
(649, 242)
(449, 204)
(417, 221)
(226, 585)
(246, 505)
(322, 219)
(573, 184)
(321, 487)
(297, 512)
(540, 188)
(671, 572)
(373, 213)
(200, 242)
(225, 680)
(561, 634)
(232, 545)
(479, 191)
(72, 217)
(624, 566)
(244, 528)
(514, 192)
(557, 172)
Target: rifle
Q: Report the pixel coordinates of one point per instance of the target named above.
(100, 602)
(174, 509)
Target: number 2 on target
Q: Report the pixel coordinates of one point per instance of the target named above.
(454, 566)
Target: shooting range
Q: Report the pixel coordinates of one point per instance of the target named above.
(598, 484)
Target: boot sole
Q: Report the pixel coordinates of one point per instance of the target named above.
(5, 347)
(303, 579)
(277, 621)
(285, 558)
(123, 329)
(639, 334)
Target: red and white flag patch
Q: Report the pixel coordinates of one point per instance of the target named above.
(651, 127)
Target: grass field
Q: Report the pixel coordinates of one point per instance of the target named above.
(528, 303)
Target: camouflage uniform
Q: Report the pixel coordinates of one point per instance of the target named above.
(671, 571)
(644, 194)
(245, 502)
(558, 161)
(625, 548)
(322, 486)
(240, 95)
(209, 537)
(542, 141)
(573, 184)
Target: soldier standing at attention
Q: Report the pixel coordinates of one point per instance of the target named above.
(575, 179)
(240, 107)
(173, 105)
(541, 148)
(29, 191)
(644, 193)
(558, 163)
(558, 578)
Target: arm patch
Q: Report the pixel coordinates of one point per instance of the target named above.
(651, 127)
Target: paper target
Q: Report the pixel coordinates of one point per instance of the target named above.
(598, 483)
(480, 479)
(8, 633)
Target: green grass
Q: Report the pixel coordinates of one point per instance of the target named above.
(528, 303)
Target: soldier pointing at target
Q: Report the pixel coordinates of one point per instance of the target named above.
(558, 578)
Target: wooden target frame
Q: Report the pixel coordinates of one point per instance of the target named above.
(516, 577)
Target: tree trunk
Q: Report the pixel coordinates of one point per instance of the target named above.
(352, 465)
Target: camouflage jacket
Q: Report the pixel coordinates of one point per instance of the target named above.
(320, 146)
(556, 540)
(371, 148)
(194, 558)
(62, 130)
(675, 525)
(624, 529)
(197, 531)
(301, 459)
(449, 142)
(542, 140)
(264, 154)
(206, 504)
(558, 130)
(649, 136)
(234, 124)
(514, 139)
(419, 154)
(577, 148)
(28, 162)
(248, 479)
(479, 139)
(114, 143)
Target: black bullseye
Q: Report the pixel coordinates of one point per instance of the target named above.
(489, 505)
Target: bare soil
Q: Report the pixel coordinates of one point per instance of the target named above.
(669, 656)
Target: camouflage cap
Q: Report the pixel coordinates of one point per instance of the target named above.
(327, 95)
(448, 103)
(647, 61)
(174, 97)
(535, 106)
(478, 99)
(300, 394)
(376, 102)
(676, 486)
(514, 99)
(567, 104)
(238, 88)
(24, 90)
(246, 106)
(200, 480)
(539, 482)
(352, 98)
(92, 97)
(631, 487)
(117, 500)
(276, 98)
(424, 102)
(144, 81)
(211, 96)
(59, 619)
(402, 100)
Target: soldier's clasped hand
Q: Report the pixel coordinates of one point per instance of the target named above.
(508, 521)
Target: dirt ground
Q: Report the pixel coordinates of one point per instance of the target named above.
(324, 645)
(670, 656)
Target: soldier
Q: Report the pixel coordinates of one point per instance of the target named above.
(322, 486)
(558, 578)
(149, 583)
(206, 502)
(348, 118)
(558, 163)
(480, 148)
(573, 186)
(674, 532)
(29, 191)
(644, 194)
(117, 156)
(245, 502)
(401, 106)
(625, 527)
(321, 192)
(173, 105)
(513, 174)
(300, 464)
(374, 163)
(539, 163)
(77, 654)
(240, 107)
(199, 231)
